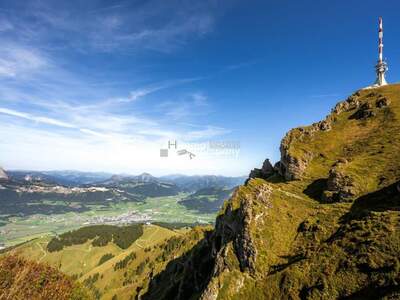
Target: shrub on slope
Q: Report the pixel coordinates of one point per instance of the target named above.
(22, 279)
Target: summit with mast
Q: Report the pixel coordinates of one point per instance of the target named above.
(381, 66)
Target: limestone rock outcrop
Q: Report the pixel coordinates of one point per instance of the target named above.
(292, 167)
(340, 186)
(350, 103)
(382, 102)
(266, 171)
(365, 111)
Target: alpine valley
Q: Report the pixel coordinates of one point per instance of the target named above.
(322, 223)
(34, 204)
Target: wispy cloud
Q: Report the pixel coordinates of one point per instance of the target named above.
(194, 104)
(237, 66)
(58, 110)
(164, 39)
(16, 60)
(39, 119)
(142, 92)
(207, 133)
(53, 150)
(154, 25)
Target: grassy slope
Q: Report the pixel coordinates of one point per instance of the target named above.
(82, 261)
(111, 281)
(304, 248)
(22, 279)
(341, 252)
(128, 282)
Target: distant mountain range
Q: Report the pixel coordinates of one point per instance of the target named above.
(197, 182)
(66, 178)
(77, 178)
(23, 192)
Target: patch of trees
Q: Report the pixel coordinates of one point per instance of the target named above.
(105, 258)
(175, 225)
(209, 200)
(124, 262)
(100, 235)
(170, 246)
(91, 280)
(130, 274)
(152, 189)
(141, 266)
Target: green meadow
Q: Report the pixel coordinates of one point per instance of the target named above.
(18, 229)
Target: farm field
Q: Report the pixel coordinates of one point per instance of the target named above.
(18, 229)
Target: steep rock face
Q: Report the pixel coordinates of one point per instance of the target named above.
(266, 170)
(293, 165)
(229, 248)
(235, 225)
(234, 245)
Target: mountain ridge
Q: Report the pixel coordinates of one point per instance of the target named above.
(323, 223)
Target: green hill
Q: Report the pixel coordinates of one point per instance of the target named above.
(323, 223)
(207, 200)
(22, 279)
(112, 268)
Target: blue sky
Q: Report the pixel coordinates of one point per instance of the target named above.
(103, 85)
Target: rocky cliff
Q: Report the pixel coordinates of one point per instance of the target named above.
(323, 223)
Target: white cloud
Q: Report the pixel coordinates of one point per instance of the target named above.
(92, 152)
(17, 60)
(39, 119)
(192, 105)
(144, 91)
(167, 134)
(199, 99)
(155, 25)
(94, 133)
(207, 133)
(68, 124)
(163, 39)
(111, 22)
